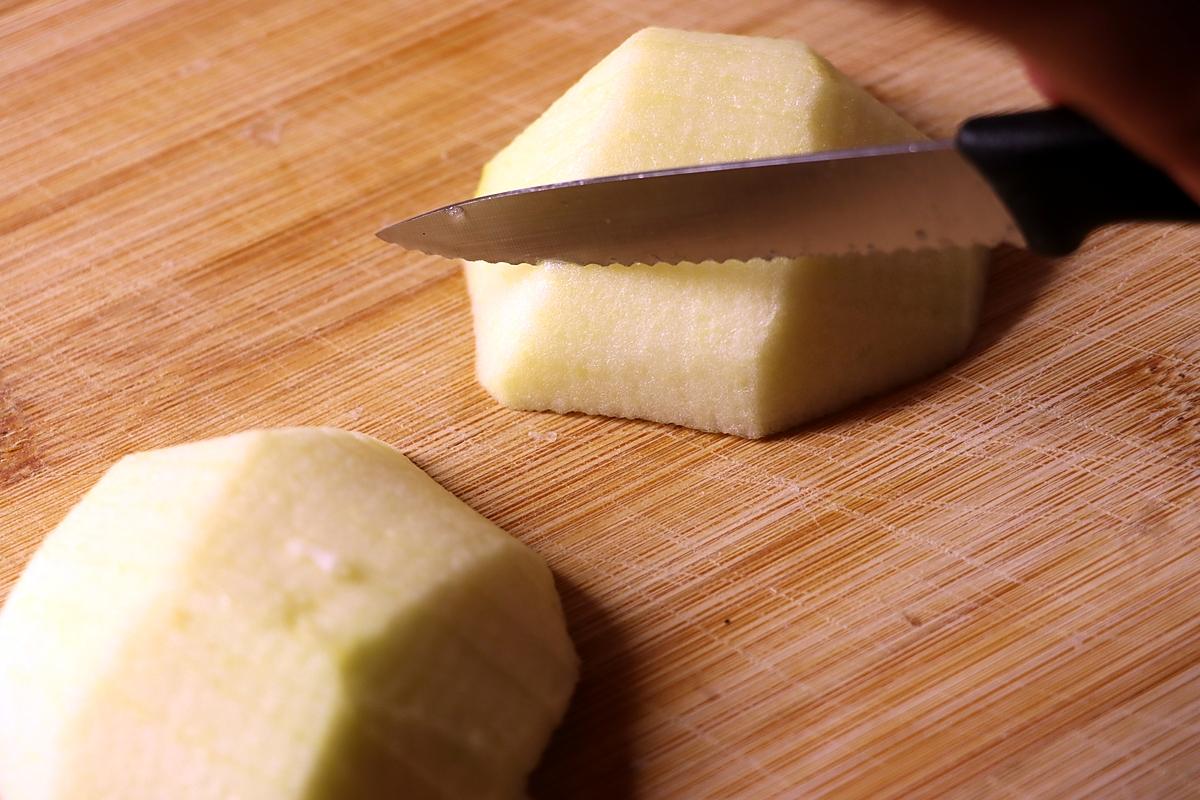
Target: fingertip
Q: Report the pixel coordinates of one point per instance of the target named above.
(1041, 81)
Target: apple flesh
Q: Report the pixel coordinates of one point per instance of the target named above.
(296, 613)
(747, 348)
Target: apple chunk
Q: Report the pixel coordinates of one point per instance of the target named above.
(297, 613)
(748, 348)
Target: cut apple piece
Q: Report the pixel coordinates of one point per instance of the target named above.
(278, 614)
(748, 348)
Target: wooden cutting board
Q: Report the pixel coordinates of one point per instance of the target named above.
(985, 585)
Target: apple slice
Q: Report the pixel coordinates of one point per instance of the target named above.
(748, 348)
(278, 614)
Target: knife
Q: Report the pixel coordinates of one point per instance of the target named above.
(1039, 179)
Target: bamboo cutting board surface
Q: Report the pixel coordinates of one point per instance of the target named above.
(986, 585)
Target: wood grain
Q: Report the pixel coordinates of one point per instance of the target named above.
(982, 586)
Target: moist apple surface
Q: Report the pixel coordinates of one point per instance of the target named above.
(296, 613)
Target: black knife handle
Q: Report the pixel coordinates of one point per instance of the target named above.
(1062, 177)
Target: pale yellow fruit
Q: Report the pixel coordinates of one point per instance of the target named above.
(741, 347)
(279, 614)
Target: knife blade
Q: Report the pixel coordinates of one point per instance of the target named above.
(879, 199)
(1043, 179)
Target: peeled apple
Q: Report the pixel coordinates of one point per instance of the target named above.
(297, 613)
(747, 348)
